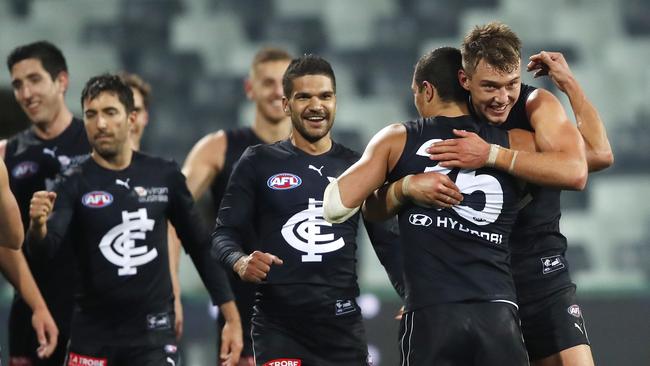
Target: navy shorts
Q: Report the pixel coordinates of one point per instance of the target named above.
(339, 341)
(552, 323)
(106, 355)
(478, 333)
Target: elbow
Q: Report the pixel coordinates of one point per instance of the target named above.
(334, 211)
(601, 160)
(578, 180)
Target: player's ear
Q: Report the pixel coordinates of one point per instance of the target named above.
(429, 91)
(248, 88)
(285, 106)
(63, 81)
(463, 79)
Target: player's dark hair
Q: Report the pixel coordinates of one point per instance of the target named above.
(137, 83)
(306, 65)
(495, 43)
(440, 68)
(50, 56)
(108, 83)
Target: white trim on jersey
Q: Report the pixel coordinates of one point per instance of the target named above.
(507, 302)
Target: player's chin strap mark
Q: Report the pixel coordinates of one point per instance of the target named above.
(333, 209)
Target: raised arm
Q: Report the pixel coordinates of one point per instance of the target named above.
(559, 161)
(345, 195)
(598, 150)
(11, 225)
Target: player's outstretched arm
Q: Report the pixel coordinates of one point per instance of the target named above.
(231, 335)
(11, 225)
(344, 195)
(598, 150)
(559, 162)
(15, 268)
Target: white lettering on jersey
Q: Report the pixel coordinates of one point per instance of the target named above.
(303, 232)
(118, 244)
(468, 182)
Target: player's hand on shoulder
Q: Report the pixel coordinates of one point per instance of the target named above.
(41, 206)
(552, 64)
(433, 189)
(255, 266)
(467, 151)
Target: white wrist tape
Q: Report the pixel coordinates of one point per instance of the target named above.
(492, 157)
(512, 162)
(405, 185)
(333, 209)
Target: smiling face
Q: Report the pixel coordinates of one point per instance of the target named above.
(265, 88)
(311, 106)
(107, 125)
(494, 92)
(38, 95)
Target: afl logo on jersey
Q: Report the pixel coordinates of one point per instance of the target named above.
(97, 199)
(574, 310)
(24, 170)
(284, 181)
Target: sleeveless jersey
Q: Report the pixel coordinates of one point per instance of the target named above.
(279, 188)
(33, 165)
(118, 226)
(457, 254)
(538, 248)
(238, 140)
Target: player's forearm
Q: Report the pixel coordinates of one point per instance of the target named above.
(384, 202)
(225, 247)
(598, 150)
(551, 169)
(14, 267)
(229, 311)
(174, 259)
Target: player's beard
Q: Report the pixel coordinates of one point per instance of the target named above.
(314, 135)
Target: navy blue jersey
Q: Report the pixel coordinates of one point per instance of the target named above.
(237, 141)
(118, 226)
(279, 188)
(538, 248)
(33, 165)
(457, 254)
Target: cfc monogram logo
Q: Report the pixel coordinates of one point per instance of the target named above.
(118, 245)
(303, 232)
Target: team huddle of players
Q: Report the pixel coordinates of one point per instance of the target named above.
(462, 207)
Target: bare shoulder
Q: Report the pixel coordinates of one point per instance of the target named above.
(210, 149)
(542, 104)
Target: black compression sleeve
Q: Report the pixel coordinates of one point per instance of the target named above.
(236, 213)
(384, 236)
(192, 233)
